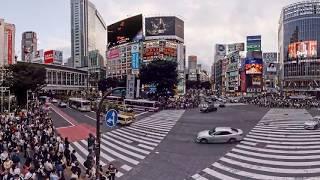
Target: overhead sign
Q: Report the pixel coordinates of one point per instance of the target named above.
(111, 118)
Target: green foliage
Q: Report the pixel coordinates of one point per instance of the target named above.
(23, 77)
(105, 84)
(163, 74)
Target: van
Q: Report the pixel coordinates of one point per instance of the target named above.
(125, 119)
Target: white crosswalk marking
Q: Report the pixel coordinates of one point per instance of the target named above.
(126, 147)
(277, 148)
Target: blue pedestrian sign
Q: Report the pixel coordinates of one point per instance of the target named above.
(112, 118)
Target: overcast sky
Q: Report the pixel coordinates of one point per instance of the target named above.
(207, 22)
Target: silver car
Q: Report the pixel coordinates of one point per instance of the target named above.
(220, 135)
(312, 124)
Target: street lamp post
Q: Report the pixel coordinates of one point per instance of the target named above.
(97, 148)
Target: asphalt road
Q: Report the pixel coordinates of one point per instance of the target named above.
(88, 118)
(178, 156)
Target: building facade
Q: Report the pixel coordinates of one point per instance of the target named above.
(298, 43)
(271, 72)
(7, 43)
(88, 32)
(28, 46)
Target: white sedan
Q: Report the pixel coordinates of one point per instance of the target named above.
(220, 135)
(312, 124)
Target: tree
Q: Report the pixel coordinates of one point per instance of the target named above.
(105, 84)
(161, 73)
(24, 77)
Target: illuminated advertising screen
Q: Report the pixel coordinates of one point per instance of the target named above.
(159, 52)
(253, 66)
(164, 26)
(302, 50)
(254, 43)
(256, 80)
(127, 30)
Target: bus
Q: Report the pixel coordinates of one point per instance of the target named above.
(79, 104)
(144, 104)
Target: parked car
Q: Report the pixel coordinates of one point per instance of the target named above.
(312, 124)
(62, 104)
(220, 135)
(207, 107)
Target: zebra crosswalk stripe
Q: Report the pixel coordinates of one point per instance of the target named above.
(279, 150)
(127, 146)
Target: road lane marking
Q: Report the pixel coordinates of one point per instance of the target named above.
(270, 162)
(217, 174)
(147, 147)
(122, 149)
(270, 169)
(126, 145)
(118, 137)
(198, 177)
(278, 151)
(249, 174)
(135, 139)
(280, 142)
(84, 151)
(283, 139)
(56, 111)
(292, 147)
(90, 117)
(140, 114)
(123, 157)
(126, 167)
(275, 156)
(137, 136)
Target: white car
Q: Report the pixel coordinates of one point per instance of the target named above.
(62, 105)
(312, 124)
(54, 101)
(220, 135)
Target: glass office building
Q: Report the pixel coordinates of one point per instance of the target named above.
(299, 44)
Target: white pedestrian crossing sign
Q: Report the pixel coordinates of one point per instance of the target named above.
(112, 118)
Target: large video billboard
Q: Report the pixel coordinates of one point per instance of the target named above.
(254, 43)
(235, 47)
(301, 50)
(272, 67)
(164, 26)
(253, 66)
(220, 49)
(127, 30)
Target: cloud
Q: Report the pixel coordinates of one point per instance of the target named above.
(207, 22)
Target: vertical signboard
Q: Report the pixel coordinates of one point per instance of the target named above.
(9, 31)
(135, 58)
(130, 86)
(58, 57)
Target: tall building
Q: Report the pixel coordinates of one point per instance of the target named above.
(28, 46)
(88, 32)
(298, 43)
(219, 66)
(7, 43)
(192, 62)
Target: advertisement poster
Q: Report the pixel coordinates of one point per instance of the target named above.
(271, 67)
(301, 50)
(220, 49)
(48, 57)
(164, 26)
(235, 47)
(113, 53)
(253, 68)
(256, 80)
(127, 30)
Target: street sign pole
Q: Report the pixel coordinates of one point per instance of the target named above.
(98, 142)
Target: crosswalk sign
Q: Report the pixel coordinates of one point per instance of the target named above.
(111, 118)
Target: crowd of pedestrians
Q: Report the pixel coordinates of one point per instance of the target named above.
(30, 149)
(191, 99)
(277, 101)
